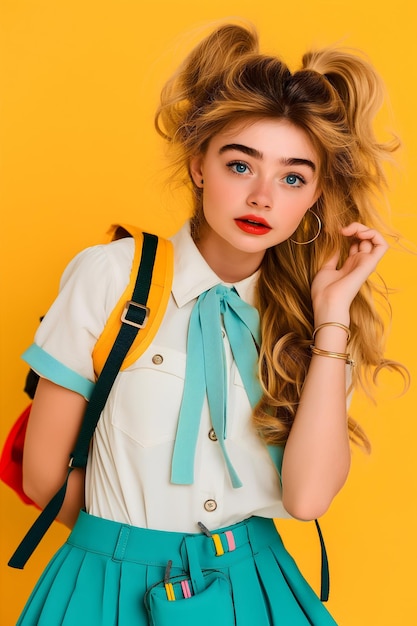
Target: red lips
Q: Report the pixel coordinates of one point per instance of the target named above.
(253, 224)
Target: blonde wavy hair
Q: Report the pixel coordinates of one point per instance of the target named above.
(334, 98)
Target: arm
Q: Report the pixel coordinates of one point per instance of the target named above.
(54, 423)
(317, 454)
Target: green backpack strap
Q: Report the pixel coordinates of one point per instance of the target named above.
(135, 316)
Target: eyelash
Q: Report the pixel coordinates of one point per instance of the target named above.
(233, 164)
(299, 178)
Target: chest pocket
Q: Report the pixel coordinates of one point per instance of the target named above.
(147, 397)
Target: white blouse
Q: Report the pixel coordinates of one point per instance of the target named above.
(129, 466)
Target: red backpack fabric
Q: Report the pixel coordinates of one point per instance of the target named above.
(12, 457)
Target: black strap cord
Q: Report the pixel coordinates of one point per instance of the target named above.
(325, 574)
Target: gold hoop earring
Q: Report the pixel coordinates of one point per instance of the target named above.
(304, 243)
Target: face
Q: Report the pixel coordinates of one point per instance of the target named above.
(259, 181)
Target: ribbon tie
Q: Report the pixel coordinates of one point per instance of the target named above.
(206, 373)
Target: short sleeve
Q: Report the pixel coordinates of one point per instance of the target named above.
(90, 287)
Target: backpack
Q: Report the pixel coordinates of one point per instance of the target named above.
(140, 308)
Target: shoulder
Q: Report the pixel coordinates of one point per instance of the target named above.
(108, 263)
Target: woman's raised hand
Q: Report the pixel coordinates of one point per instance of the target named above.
(334, 289)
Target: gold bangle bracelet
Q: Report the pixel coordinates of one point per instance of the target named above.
(333, 355)
(337, 324)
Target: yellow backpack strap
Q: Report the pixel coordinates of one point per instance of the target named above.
(157, 300)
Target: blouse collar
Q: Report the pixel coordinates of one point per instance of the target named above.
(193, 276)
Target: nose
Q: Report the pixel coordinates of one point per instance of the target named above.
(261, 196)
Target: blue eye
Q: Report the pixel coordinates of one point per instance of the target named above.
(238, 167)
(292, 179)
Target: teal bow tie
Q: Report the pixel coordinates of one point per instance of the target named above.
(206, 373)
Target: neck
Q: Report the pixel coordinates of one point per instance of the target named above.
(230, 265)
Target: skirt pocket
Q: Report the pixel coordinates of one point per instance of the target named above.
(174, 601)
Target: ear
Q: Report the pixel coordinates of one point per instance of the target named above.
(317, 196)
(196, 170)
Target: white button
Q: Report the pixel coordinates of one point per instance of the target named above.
(157, 359)
(212, 435)
(223, 334)
(210, 505)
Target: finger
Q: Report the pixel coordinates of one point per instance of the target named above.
(366, 246)
(352, 229)
(363, 233)
(354, 249)
(359, 231)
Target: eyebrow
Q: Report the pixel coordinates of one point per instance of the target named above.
(258, 155)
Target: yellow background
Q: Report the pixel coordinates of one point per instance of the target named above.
(79, 85)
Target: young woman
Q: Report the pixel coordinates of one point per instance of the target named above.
(283, 168)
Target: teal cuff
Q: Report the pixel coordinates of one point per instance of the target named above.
(48, 367)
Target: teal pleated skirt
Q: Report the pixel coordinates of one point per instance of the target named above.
(111, 574)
